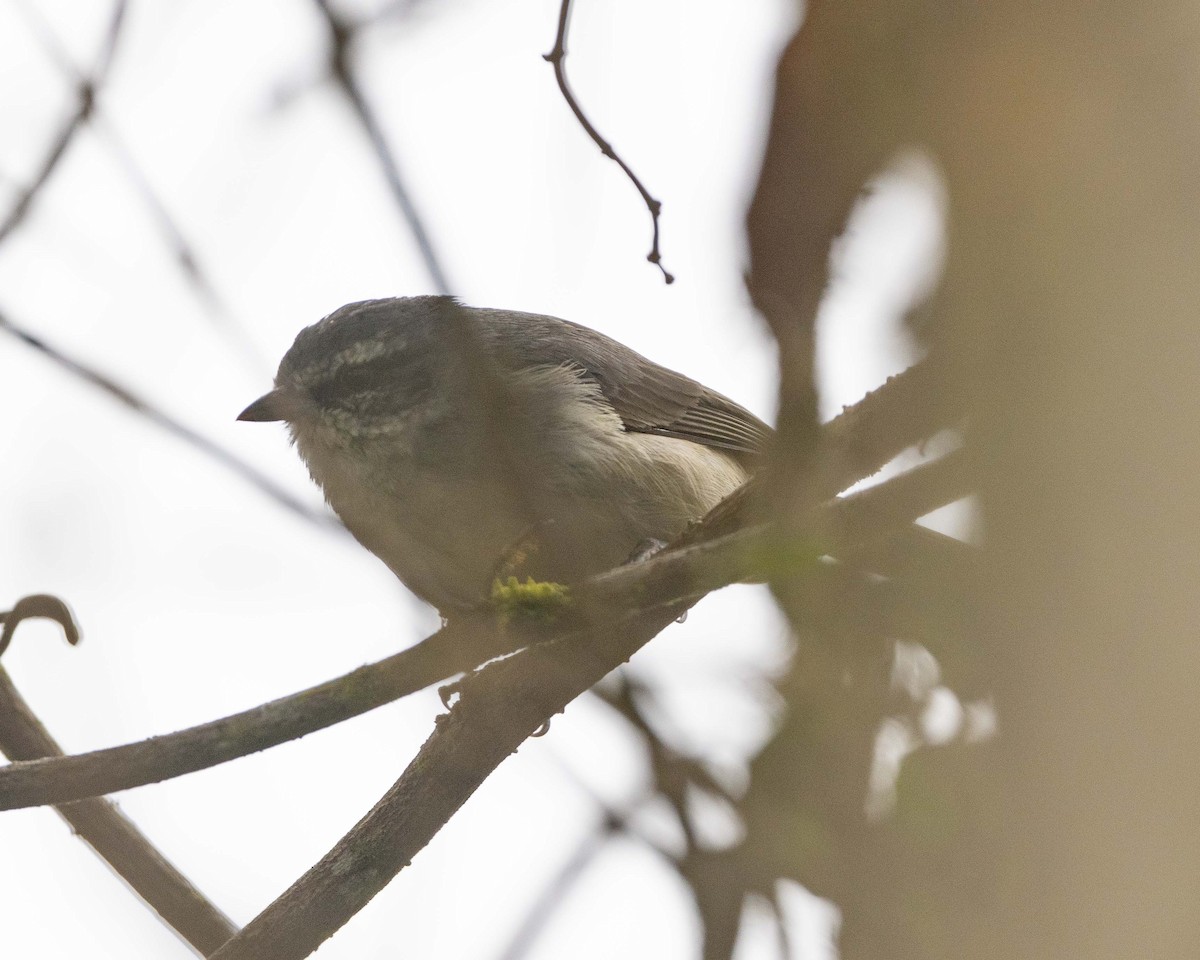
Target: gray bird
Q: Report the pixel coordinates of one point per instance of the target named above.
(456, 442)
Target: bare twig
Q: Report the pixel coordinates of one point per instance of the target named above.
(99, 822)
(557, 58)
(923, 488)
(342, 35)
(672, 771)
(183, 251)
(175, 428)
(87, 87)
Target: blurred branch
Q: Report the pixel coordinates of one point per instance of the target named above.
(99, 822)
(164, 421)
(906, 410)
(897, 500)
(342, 35)
(458, 646)
(614, 823)
(87, 87)
(558, 59)
(555, 891)
(672, 771)
(182, 250)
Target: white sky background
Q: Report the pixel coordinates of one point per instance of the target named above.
(199, 597)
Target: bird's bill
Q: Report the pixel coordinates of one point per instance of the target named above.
(279, 404)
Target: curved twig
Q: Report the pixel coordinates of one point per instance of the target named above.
(557, 57)
(99, 823)
(40, 606)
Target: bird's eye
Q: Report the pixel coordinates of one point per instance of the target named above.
(393, 381)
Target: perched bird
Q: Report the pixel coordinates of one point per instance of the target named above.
(457, 442)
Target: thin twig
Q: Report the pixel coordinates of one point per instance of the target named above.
(557, 58)
(555, 892)
(614, 822)
(183, 251)
(175, 428)
(87, 87)
(101, 825)
(342, 36)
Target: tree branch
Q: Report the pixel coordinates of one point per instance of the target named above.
(457, 647)
(451, 650)
(558, 57)
(512, 698)
(342, 36)
(164, 421)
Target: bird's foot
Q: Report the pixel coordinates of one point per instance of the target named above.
(645, 550)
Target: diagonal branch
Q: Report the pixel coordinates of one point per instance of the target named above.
(166, 422)
(560, 886)
(511, 699)
(558, 58)
(342, 36)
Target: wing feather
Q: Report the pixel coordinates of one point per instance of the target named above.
(647, 397)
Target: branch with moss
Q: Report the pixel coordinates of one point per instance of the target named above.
(892, 418)
(511, 699)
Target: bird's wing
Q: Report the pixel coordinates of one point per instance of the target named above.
(647, 397)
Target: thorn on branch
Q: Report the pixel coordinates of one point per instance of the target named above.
(557, 58)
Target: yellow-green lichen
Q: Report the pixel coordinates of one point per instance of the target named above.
(531, 600)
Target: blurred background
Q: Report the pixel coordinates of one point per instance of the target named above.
(223, 194)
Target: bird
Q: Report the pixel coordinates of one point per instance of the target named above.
(457, 443)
